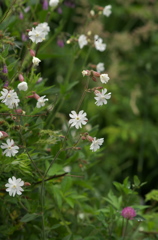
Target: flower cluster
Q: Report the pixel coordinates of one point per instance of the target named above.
(39, 33)
(128, 213)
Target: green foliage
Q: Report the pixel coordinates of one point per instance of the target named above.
(70, 192)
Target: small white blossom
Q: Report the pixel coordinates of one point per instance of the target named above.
(104, 78)
(14, 186)
(36, 35)
(78, 119)
(10, 149)
(101, 97)
(99, 45)
(23, 86)
(41, 101)
(84, 73)
(43, 27)
(53, 3)
(100, 67)
(96, 143)
(82, 41)
(67, 169)
(107, 10)
(36, 61)
(9, 98)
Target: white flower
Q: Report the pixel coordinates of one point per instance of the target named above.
(99, 45)
(10, 149)
(9, 98)
(100, 67)
(96, 143)
(104, 78)
(53, 3)
(78, 119)
(41, 101)
(67, 169)
(36, 35)
(36, 61)
(23, 86)
(101, 97)
(14, 186)
(43, 27)
(84, 73)
(82, 41)
(107, 10)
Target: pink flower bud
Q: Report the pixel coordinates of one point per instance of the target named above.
(27, 184)
(19, 111)
(32, 53)
(95, 74)
(35, 95)
(21, 78)
(3, 134)
(128, 212)
(89, 138)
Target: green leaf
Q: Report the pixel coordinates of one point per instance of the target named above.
(29, 217)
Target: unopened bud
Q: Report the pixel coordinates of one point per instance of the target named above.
(3, 134)
(27, 184)
(4, 70)
(32, 53)
(89, 138)
(21, 78)
(96, 74)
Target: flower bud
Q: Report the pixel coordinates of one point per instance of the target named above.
(32, 53)
(3, 134)
(4, 70)
(21, 78)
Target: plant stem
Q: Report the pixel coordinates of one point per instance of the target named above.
(124, 229)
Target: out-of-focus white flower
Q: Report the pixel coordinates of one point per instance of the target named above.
(107, 10)
(78, 119)
(81, 216)
(96, 143)
(41, 101)
(53, 3)
(101, 97)
(23, 86)
(92, 13)
(100, 67)
(9, 98)
(67, 169)
(14, 186)
(36, 35)
(10, 149)
(82, 41)
(43, 27)
(99, 45)
(36, 61)
(104, 78)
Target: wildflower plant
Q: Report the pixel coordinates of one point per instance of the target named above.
(49, 142)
